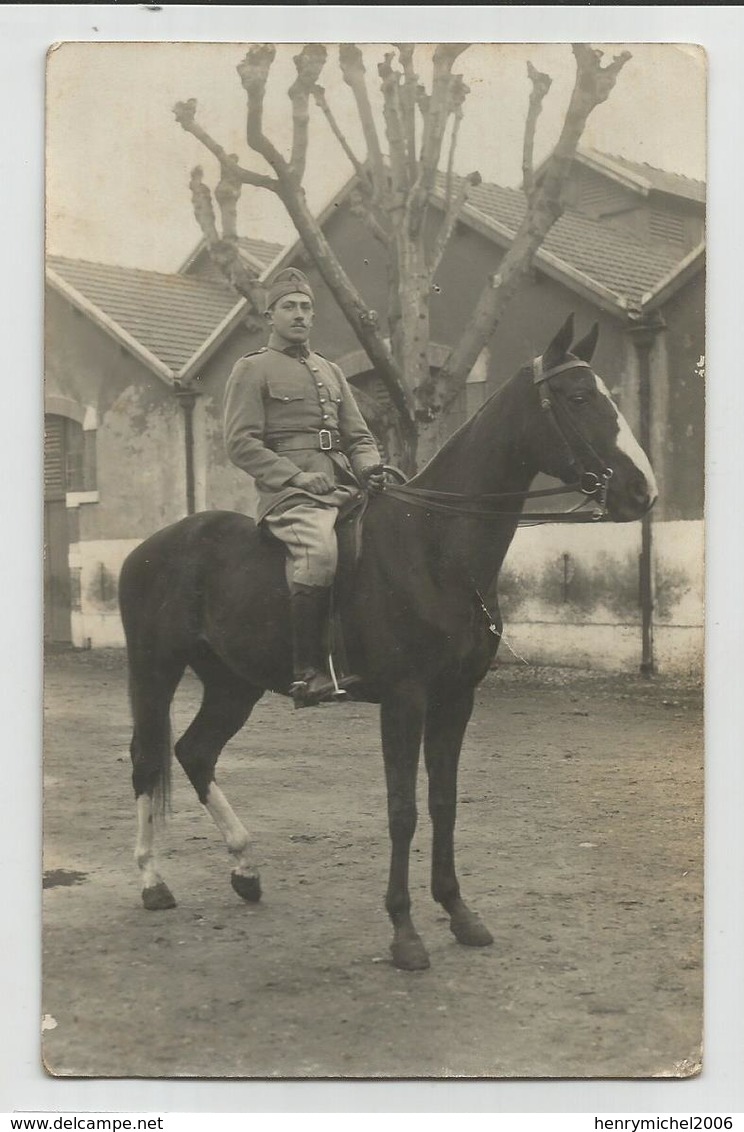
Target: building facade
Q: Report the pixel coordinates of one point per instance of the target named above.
(137, 364)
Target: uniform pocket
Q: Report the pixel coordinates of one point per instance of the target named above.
(283, 391)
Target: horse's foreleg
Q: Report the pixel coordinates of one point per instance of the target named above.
(446, 719)
(402, 717)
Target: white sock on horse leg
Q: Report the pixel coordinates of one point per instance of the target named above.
(144, 849)
(231, 828)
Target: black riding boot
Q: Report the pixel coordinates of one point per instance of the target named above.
(313, 683)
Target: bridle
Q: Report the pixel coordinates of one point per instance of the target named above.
(592, 483)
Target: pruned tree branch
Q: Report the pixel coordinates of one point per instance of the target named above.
(185, 114)
(360, 207)
(408, 97)
(224, 250)
(392, 200)
(353, 70)
(540, 86)
(254, 73)
(321, 101)
(453, 209)
(394, 128)
(309, 64)
(201, 200)
(439, 105)
(592, 86)
(458, 93)
(227, 194)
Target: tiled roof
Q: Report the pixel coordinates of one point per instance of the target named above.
(674, 183)
(172, 316)
(262, 250)
(617, 261)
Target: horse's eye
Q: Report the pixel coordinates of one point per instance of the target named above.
(578, 398)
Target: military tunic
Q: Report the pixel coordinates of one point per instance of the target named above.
(289, 410)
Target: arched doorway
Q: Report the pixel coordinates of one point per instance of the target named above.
(357, 370)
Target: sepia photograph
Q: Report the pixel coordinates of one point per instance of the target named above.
(374, 512)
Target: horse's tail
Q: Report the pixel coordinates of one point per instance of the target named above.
(152, 739)
(154, 674)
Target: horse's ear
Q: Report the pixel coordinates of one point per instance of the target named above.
(558, 348)
(586, 347)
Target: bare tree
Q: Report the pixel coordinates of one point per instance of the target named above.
(393, 193)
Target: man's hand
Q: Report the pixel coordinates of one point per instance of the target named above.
(373, 479)
(316, 482)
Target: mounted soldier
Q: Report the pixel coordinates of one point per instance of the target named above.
(291, 422)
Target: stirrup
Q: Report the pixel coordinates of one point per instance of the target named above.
(329, 690)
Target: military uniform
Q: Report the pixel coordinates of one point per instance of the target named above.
(290, 410)
(289, 413)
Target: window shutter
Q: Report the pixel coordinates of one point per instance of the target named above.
(666, 226)
(54, 458)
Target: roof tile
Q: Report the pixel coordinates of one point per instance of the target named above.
(262, 250)
(618, 261)
(676, 184)
(171, 315)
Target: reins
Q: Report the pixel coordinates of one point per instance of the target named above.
(592, 485)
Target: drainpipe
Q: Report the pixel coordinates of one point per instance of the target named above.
(644, 334)
(187, 399)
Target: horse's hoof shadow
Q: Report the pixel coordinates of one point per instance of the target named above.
(158, 897)
(247, 887)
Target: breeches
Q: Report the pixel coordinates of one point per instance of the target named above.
(308, 532)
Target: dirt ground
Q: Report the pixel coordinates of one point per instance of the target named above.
(579, 843)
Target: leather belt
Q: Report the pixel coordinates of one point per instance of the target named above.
(325, 440)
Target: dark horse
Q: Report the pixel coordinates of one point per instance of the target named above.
(210, 593)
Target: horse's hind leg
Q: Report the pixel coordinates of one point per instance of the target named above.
(227, 702)
(446, 719)
(151, 691)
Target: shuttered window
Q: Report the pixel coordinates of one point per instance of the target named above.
(54, 458)
(69, 457)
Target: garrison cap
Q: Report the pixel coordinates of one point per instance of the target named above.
(287, 282)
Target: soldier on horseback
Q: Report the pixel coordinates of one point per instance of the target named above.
(291, 422)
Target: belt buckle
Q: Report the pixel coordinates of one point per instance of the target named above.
(325, 436)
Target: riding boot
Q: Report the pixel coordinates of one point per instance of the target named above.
(313, 683)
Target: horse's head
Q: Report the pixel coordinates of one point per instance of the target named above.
(580, 435)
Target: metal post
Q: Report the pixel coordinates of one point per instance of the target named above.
(644, 336)
(187, 398)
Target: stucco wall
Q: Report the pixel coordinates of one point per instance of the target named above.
(139, 436)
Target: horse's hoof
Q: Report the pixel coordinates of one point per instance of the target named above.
(470, 931)
(247, 887)
(409, 954)
(158, 897)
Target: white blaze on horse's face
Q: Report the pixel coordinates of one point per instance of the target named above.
(628, 444)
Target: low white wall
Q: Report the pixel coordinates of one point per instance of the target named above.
(569, 596)
(94, 570)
